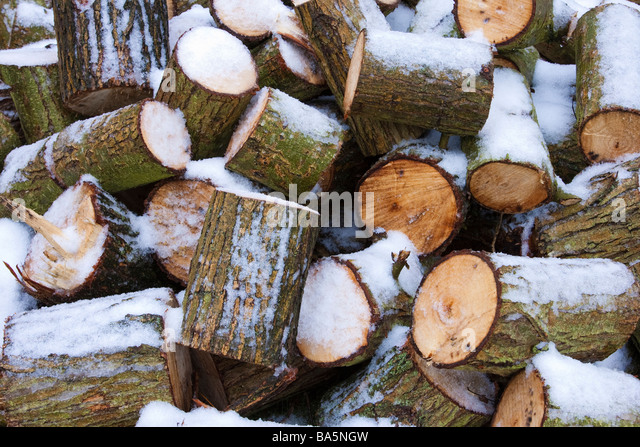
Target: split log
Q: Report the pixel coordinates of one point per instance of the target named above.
(26, 178)
(418, 189)
(246, 278)
(557, 391)
(93, 363)
(289, 67)
(281, 141)
(107, 51)
(509, 166)
(25, 22)
(607, 104)
(434, 16)
(350, 301)
(136, 145)
(506, 305)
(213, 78)
(9, 138)
(85, 247)
(32, 74)
(398, 387)
(332, 27)
(414, 79)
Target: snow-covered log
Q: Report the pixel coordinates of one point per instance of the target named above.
(107, 50)
(489, 311)
(524, 60)
(434, 17)
(607, 100)
(211, 77)
(91, 363)
(25, 21)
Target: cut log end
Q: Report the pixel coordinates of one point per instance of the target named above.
(451, 318)
(165, 134)
(523, 403)
(510, 188)
(500, 21)
(97, 102)
(353, 74)
(248, 123)
(610, 135)
(300, 61)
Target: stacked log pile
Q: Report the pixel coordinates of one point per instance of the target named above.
(252, 206)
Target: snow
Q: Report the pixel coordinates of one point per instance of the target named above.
(196, 16)
(30, 14)
(400, 18)
(165, 133)
(435, 17)
(256, 16)
(15, 163)
(35, 54)
(213, 170)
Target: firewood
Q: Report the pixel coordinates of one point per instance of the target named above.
(557, 391)
(493, 319)
(136, 145)
(289, 67)
(212, 85)
(350, 301)
(510, 173)
(332, 27)
(25, 22)
(32, 74)
(9, 138)
(524, 60)
(399, 387)
(608, 113)
(245, 283)
(107, 52)
(85, 247)
(388, 6)
(280, 141)
(91, 363)
(418, 189)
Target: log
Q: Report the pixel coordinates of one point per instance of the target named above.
(32, 74)
(418, 189)
(506, 305)
(413, 79)
(92, 363)
(25, 22)
(400, 389)
(350, 301)
(85, 247)
(332, 27)
(289, 67)
(509, 166)
(281, 141)
(212, 84)
(607, 111)
(525, 60)
(9, 138)
(387, 6)
(558, 391)
(434, 16)
(106, 52)
(246, 278)
(136, 145)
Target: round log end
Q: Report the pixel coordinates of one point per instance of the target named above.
(106, 99)
(610, 134)
(165, 133)
(500, 21)
(455, 309)
(523, 402)
(248, 122)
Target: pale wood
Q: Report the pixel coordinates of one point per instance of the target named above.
(499, 20)
(523, 402)
(610, 135)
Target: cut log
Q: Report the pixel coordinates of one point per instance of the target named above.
(333, 27)
(509, 166)
(107, 51)
(524, 60)
(399, 388)
(213, 79)
(32, 74)
(607, 108)
(85, 247)
(388, 6)
(413, 79)
(506, 305)
(246, 278)
(557, 391)
(25, 22)
(136, 145)
(289, 67)
(350, 301)
(280, 141)
(9, 138)
(434, 16)
(91, 363)
(417, 189)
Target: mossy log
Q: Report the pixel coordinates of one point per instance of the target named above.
(9, 138)
(400, 77)
(32, 74)
(120, 365)
(136, 145)
(524, 60)
(281, 141)
(608, 116)
(506, 305)
(25, 22)
(85, 247)
(246, 278)
(398, 387)
(332, 27)
(106, 52)
(211, 99)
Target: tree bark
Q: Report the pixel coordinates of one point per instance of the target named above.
(9, 138)
(25, 22)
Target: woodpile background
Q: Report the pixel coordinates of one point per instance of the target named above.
(320, 212)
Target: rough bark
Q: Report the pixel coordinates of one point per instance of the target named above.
(250, 258)
(25, 22)
(522, 59)
(107, 52)
(9, 138)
